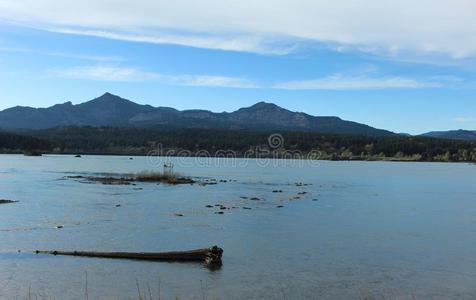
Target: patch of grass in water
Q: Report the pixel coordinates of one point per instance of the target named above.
(170, 178)
(145, 176)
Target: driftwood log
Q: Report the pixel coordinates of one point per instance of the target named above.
(210, 256)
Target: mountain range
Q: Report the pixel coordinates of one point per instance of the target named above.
(112, 110)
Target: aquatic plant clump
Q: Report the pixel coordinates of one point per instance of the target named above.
(170, 178)
(152, 177)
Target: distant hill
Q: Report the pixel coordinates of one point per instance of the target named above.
(467, 135)
(112, 110)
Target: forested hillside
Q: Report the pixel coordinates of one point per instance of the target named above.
(11, 143)
(110, 140)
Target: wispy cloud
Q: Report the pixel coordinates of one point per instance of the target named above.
(212, 81)
(341, 82)
(235, 42)
(465, 120)
(126, 74)
(427, 27)
(333, 82)
(77, 56)
(104, 73)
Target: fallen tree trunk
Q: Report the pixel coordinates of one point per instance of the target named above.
(3, 201)
(210, 256)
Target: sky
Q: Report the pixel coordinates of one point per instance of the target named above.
(406, 66)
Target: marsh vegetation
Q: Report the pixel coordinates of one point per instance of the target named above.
(129, 179)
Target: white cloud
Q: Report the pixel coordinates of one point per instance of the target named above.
(465, 120)
(125, 74)
(212, 81)
(103, 73)
(334, 82)
(243, 43)
(340, 82)
(78, 56)
(442, 27)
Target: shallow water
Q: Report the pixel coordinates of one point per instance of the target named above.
(377, 229)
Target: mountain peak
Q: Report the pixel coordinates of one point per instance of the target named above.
(67, 103)
(108, 97)
(262, 107)
(263, 104)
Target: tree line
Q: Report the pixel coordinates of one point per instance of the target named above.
(140, 141)
(14, 143)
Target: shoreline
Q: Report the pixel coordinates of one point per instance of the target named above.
(352, 159)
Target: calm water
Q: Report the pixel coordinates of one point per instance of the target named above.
(381, 230)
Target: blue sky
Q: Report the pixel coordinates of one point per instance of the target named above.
(358, 63)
